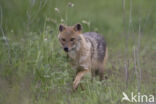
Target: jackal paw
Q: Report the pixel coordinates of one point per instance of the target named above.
(76, 83)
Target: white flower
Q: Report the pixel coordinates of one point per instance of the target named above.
(70, 4)
(86, 22)
(56, 9)
(45, 39)
(62, 20)
(12, 30)
(4, 38)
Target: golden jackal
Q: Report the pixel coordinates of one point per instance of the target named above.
(88, 51)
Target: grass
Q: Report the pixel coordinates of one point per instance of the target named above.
(34, 69)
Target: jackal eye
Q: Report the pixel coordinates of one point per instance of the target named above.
(72, 39)
(63, 39)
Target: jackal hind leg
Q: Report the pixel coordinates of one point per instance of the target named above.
(101, 72)
(102, 68)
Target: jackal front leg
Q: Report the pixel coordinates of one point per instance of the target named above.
(78, 77)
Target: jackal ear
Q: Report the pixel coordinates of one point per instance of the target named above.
(61, 28)
(78, 27)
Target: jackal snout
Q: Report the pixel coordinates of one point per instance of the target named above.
(66, 49)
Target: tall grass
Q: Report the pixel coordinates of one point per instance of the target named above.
(34, 69)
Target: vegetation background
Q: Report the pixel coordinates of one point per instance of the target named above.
(34, 69)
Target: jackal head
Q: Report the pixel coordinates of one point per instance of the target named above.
(69, 36)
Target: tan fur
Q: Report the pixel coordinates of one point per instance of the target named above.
(81, 55)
